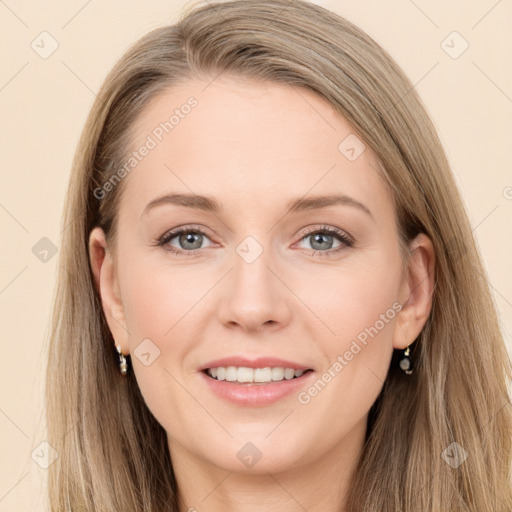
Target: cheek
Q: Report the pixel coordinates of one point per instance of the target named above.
(352, 300)
(156, 299)
(162, 307)
(359, 305)
(348, 301)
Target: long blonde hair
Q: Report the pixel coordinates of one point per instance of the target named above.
(113, 454)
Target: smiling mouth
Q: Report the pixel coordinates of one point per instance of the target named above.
(245, 375)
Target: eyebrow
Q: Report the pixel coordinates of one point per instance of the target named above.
(210, 204)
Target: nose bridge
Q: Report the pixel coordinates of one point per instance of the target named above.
(252, 277)
(254, 296)
(251, 265)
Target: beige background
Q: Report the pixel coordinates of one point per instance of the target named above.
(44, 103)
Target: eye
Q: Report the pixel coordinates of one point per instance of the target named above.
(190, 240)
(322, 239)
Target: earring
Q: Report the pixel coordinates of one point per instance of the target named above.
(405, 362)
(123, 365)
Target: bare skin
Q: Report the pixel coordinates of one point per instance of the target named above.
(254, 147)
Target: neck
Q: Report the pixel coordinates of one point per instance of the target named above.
(319, 485)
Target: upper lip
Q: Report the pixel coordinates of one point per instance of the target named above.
(260, 362)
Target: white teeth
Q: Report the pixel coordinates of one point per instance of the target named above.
(277, 373)
(231, 373)
(245, 374)
(262, 375)
(289, 373)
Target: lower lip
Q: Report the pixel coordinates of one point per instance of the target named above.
(256, 394)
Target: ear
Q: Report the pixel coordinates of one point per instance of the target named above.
(416, 292)
(107, 285)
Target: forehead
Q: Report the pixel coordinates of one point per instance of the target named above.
(245, 141)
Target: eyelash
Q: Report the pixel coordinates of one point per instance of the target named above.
(340, 235)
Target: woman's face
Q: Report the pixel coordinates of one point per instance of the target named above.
(257, 286)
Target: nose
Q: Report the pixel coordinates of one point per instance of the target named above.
(254, 297)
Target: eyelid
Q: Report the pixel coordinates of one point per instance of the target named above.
(178, 230)
(327, 229)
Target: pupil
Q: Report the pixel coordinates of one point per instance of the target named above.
(189, 238)
(318, 238)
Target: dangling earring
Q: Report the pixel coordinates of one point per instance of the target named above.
(405, 362)
(123, 365)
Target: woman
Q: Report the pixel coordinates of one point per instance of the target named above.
(257, 369)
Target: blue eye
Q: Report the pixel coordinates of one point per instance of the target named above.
(324, 235)
(190, 240)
